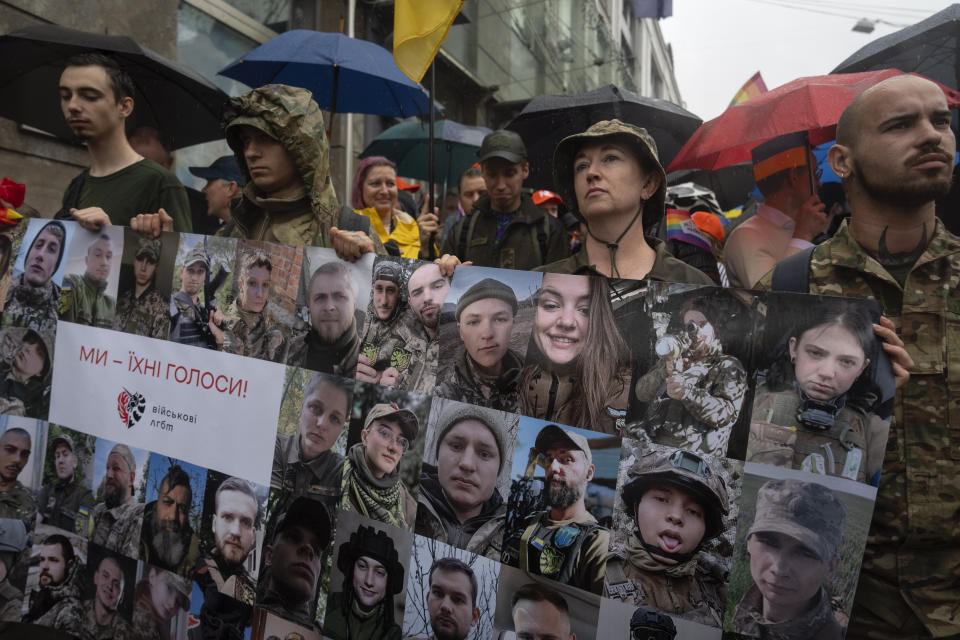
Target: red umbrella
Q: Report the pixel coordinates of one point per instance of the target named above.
(811, 104)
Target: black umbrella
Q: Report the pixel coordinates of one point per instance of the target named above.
(183, 105)
(546, 120)
(930, 47)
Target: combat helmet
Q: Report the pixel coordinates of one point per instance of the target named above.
(647, 624)
(689, 472)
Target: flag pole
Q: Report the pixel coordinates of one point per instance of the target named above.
(430, 159)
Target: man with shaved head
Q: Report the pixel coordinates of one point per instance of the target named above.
(894, 154)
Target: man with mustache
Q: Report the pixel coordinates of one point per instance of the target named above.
(158, 597)
(221, 569)
(332, 343)
(488, 371)
(115, 522)
(452, 599)
(293, 561)
(677, 502)
(102, 621)
(16, 501)
(33, 299)
(61, 500)
(564, 543)
(83, 298)
(894, 155)
(141, 309)
(56, 604)
(167, 539)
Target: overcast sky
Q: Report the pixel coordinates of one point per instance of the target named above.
(718, 45)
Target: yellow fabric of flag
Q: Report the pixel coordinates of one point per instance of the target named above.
(419, 28)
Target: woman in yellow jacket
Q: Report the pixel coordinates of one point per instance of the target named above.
(375, 196)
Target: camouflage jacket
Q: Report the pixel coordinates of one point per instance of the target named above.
(118, 529)
(343, 623)
(415, 357)
(383, 341)
(146, 626)
(117, 629)
(18, 503)
(852, 447)
(83, 300)
(552, 394)
(820, 623)
(913, 548)
(318, 478)
(338, 358)
(470, 386)
(238, 585)
(58, 607)
(36, 308)
(143, 316)
(186, 326)
(702, 420)
(11, 602)
(481, 534)
(255, 335)
(301, 612)
(59, 503)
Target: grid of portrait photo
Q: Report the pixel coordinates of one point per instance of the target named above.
(497, 454)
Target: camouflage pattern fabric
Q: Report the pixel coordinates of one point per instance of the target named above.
(415, 357)
(145, 624)
(470, 386)
(144, 316)
(59, 503)
(299, 612)
(59, 606)
(31, 307)
(339, 358)
(83, 300)
(118, 529)
(255, 335)
(238, 585)
(11, 602)
(913, 549)
(820, 623)
(116, 629)
(18, 503)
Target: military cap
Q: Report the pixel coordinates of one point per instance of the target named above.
(149, 248)
(781, 153)
(64, 438)
(389, 271)
(124, 452)
(685, 470)
(553, 433)
(308, 514)
(636, 137)
(806, 511)
(376, 544)
(456, 412)
(503, 144)
(197, 254)
(223, 168)
(13, 535)
(409, 424)
(487, 288)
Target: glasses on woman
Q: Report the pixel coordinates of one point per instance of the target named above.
(387, 436)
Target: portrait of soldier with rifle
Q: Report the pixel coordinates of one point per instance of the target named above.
(193, 321)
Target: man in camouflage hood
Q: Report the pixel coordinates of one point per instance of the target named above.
(33, 299)
(141, 309)
(56, 603)
(277, 135)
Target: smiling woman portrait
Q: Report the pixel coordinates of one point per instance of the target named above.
(375, 196)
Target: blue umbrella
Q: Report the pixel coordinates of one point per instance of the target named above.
(344, 74)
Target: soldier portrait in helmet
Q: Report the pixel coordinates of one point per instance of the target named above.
(692, 394)
(619, 619)
(33, 296)
(799, 544)
(88, 294)
(824, 384)
(670, 547)
(146, 272)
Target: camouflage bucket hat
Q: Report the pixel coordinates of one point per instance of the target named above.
(644, 147)
(806, 511)
(686, 471)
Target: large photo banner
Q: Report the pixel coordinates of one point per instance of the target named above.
(210, 438)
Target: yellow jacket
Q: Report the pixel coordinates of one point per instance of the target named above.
(405, 232)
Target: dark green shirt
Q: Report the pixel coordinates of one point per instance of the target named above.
(143, 187)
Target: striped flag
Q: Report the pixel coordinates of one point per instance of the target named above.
(750, 89)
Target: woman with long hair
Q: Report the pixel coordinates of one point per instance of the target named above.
(579, 364)
(814, 410)
(374, 195)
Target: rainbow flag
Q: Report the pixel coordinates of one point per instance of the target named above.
(750, 89)
(680, 226)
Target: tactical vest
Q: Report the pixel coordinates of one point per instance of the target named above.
(551, 553)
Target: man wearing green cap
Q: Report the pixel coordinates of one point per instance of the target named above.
(459, 504)
(61, 500)
(83, 297)
(565, 542)
(142, 310)
(487, 372)
(792, 546)
(115, 523)
(505, 229)
(186, 316)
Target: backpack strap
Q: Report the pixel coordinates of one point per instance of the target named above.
(543, 235)
(466, 233)
(793, 273)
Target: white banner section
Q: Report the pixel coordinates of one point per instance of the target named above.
(212, 409)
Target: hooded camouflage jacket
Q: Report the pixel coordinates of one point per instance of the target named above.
(59, 606)
(290, 116)
(820, 623)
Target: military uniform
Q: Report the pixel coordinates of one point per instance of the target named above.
(570, 551)
(820, 623)
(253, 334)
(116, 629)
(850, 448)
(18, 503)
(11, 602)
(117, 529)
(60, 502)
(210, 575)
(383, 341)
(550, 393)
(531, 237)
(416, 357)
(353, 624)
(473, 387)
(144, 316)
(186, 325)
(59, 606)
(83, 300)
(714, 387)
(908, 576)
(318, 478)
(482, 534)
(300, 613)
(36, 308)
(146, 626)
(338, 358)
